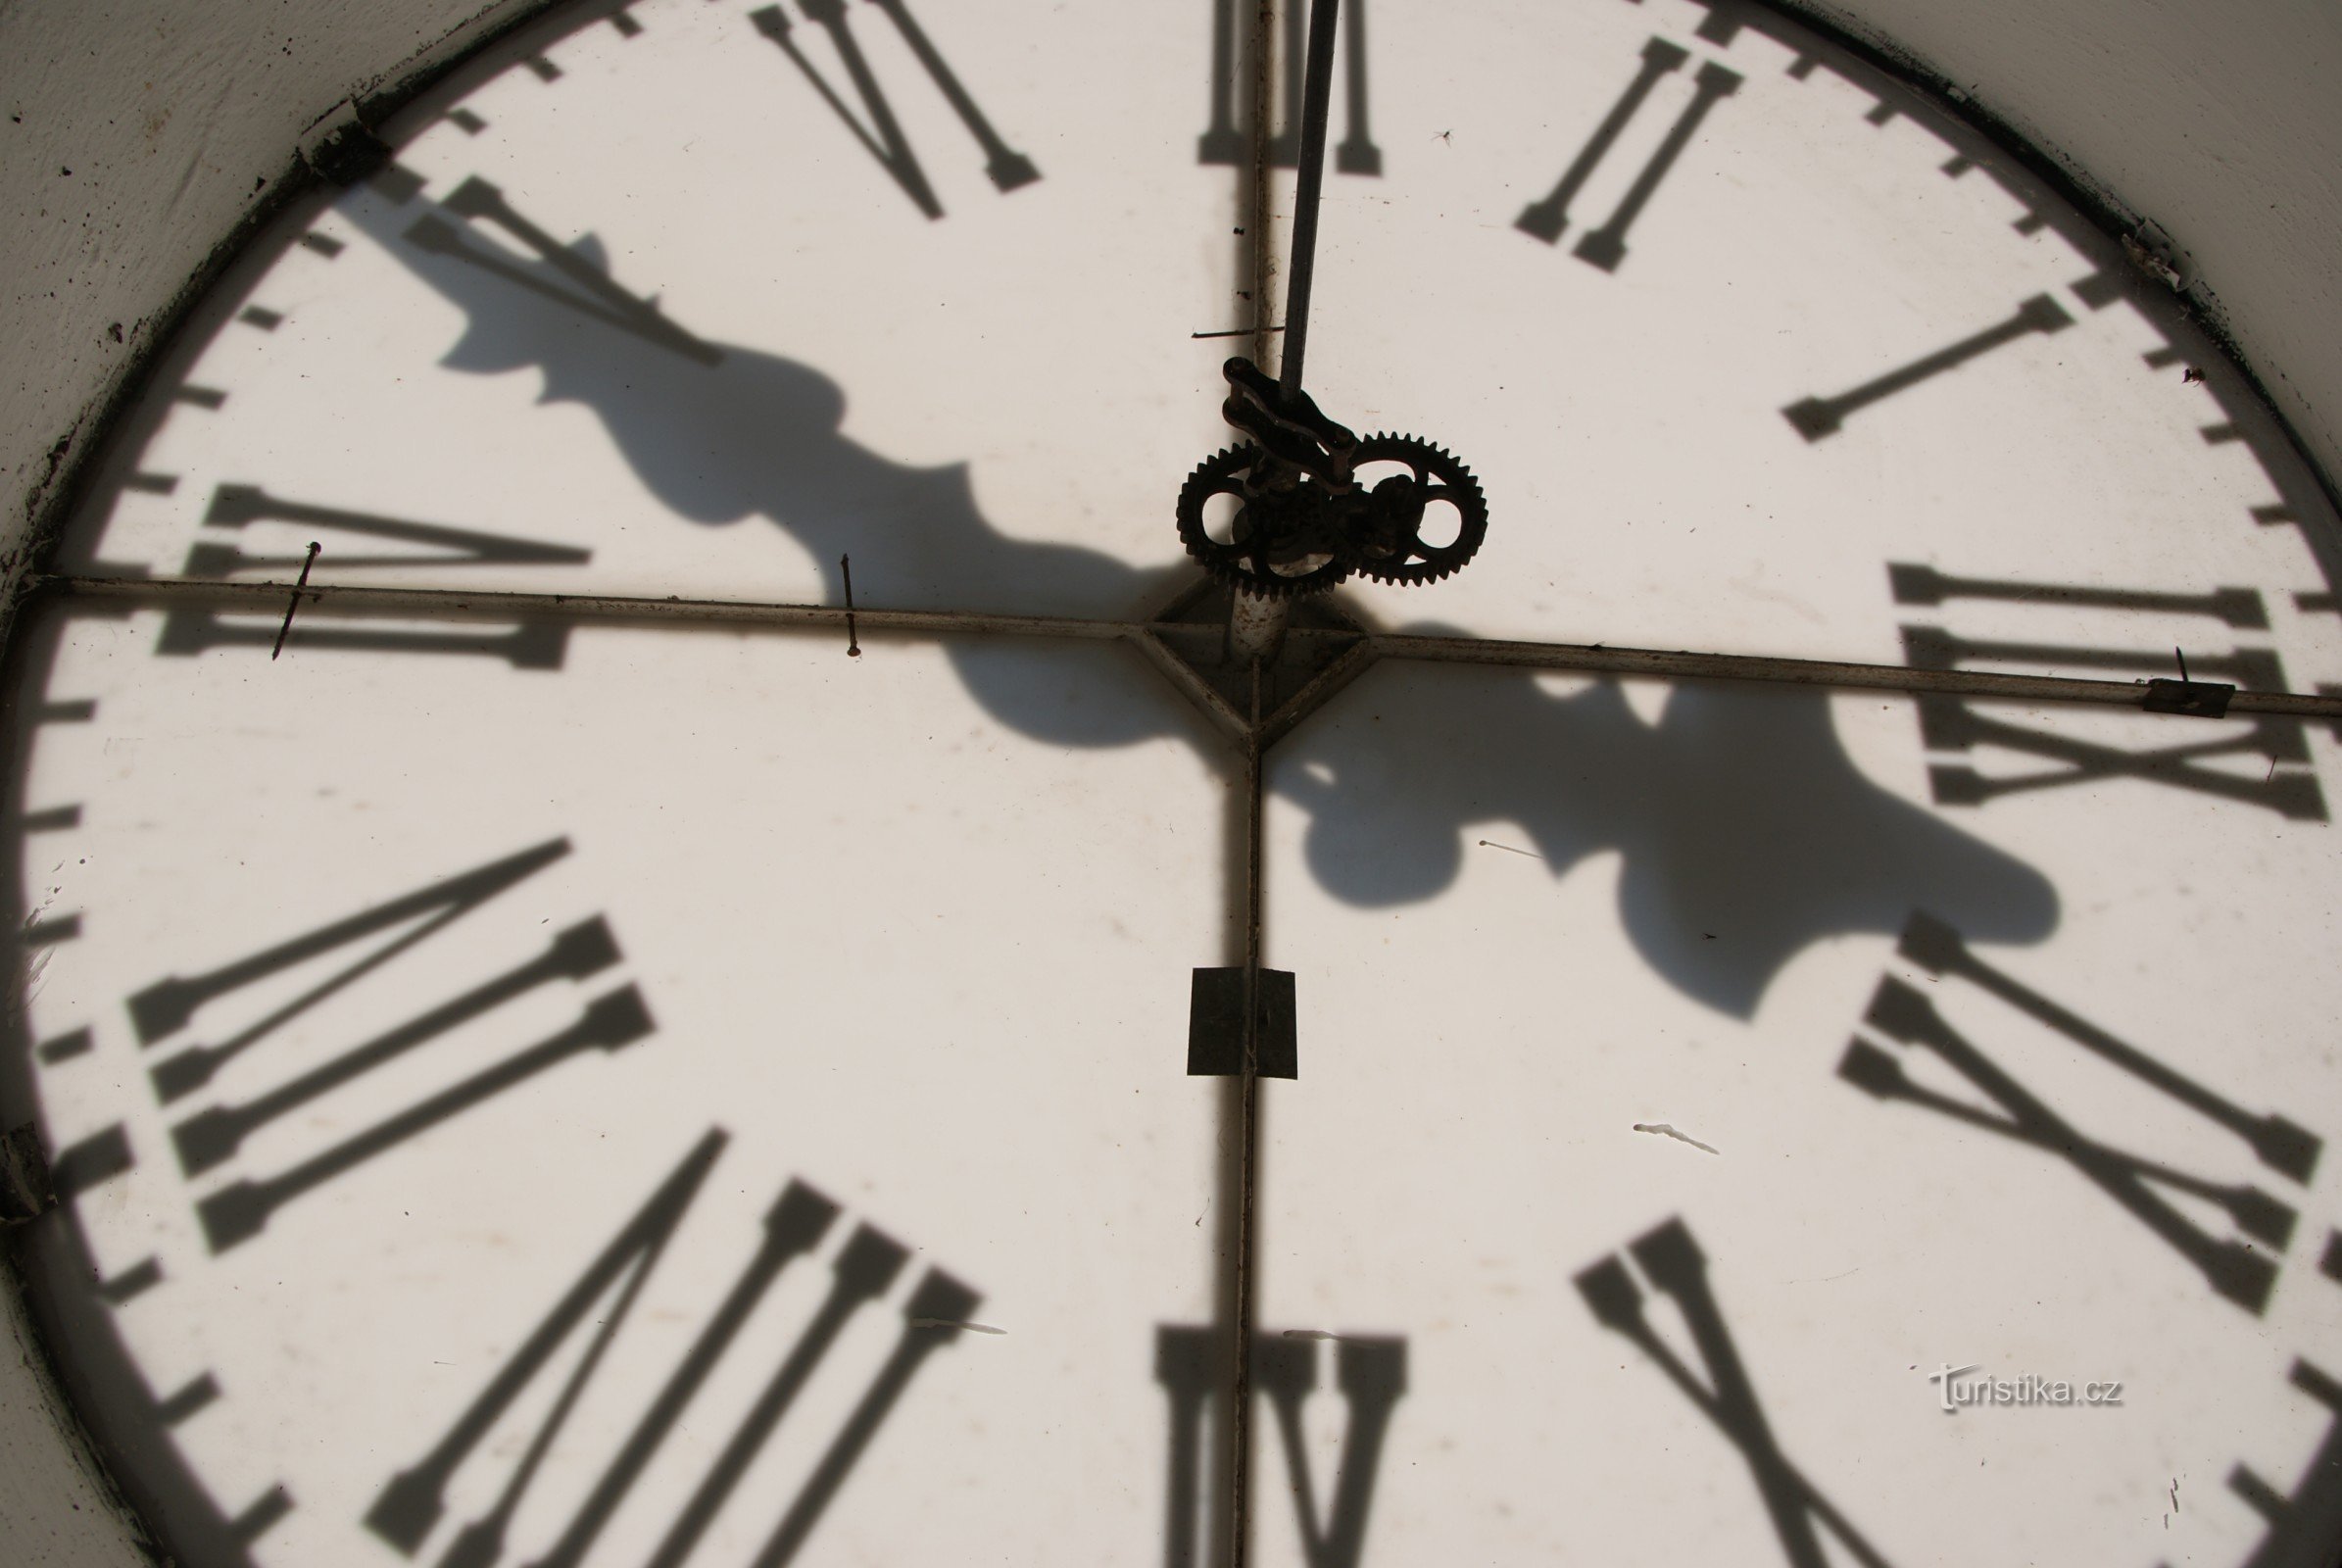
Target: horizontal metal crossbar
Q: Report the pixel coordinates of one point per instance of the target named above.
(363, 603)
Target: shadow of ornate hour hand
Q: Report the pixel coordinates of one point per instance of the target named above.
(1745, 830)
(720, 433)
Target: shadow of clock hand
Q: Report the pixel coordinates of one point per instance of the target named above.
(1737, 815)
(1744, 830)
(720, 433)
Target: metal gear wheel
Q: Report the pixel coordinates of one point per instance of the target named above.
(1270, 548)
(1388, 544)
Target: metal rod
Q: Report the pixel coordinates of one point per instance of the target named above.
(293, 604)
(1589, 659)
(1317, 92)
(1240, 1423)
(365, 603)
(1598, 659)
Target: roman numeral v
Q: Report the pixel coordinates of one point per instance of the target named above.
(595, 1310)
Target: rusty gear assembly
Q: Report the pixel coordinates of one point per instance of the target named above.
(1308, 508)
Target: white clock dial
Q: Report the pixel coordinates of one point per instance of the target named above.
(382, 995)
(556, 1042)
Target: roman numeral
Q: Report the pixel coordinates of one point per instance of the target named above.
(861, 1271)
(2185, 756)
(215, 1135)
(1816, 418)
(1672, 1261)
(1606, 247)
(2305, 1523)
(191, 629)
(1909, 1018)
(1223, 143)
(592, 292)
(883, 137)
(238, 506)
(1190, 1363)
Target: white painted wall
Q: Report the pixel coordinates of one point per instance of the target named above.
(139, 135)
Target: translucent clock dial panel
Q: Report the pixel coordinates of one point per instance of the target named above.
(1684, 1099)
(719, 1093)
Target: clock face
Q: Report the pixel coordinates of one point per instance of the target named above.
(527, 1082)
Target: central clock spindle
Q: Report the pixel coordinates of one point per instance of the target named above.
(1304, 518)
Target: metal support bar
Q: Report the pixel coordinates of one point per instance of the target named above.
(1589, 658)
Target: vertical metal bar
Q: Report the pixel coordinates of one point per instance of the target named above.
(1240, 1423)
(1316, 92)
(1234, 1455)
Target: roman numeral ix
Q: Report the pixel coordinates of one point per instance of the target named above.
(2183, 754)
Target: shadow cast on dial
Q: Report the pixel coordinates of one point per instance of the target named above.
(1745, 829)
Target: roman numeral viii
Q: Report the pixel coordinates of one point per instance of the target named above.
(1606, 247)
(861, 1269)
(271, 986)
(2182, 754)
(1911, 1022)
(1674, 1265)
(883, 137)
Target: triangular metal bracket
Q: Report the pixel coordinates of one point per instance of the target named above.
(1322, 651)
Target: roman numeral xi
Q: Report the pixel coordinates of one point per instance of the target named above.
(1548, 218)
